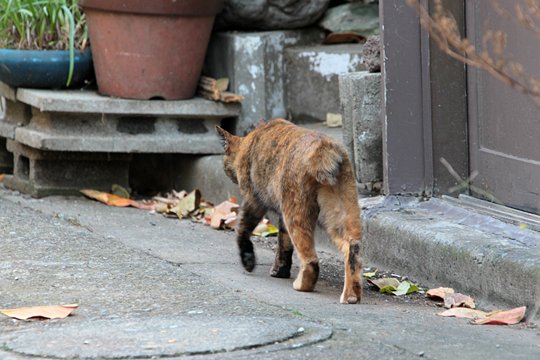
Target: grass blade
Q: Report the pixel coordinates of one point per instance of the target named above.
(69, 15)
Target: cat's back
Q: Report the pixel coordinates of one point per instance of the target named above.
(280, 134)
(279, 147)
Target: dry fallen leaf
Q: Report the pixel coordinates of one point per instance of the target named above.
(439, 293)
(106, 198)
(506, 317)
(2, 176)
(465, 313)
(386, 285)
(47, 312)
(405, 288)
(225, 211)
(188, 204)
(458, 300)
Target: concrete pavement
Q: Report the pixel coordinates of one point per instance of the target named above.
(150, 287)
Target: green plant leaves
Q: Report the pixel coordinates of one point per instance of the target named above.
(406, 288)
(394, 286)
(42, 24)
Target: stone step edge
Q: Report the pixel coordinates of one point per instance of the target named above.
(428, 245)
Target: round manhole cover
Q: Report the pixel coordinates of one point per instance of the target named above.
(164, 337)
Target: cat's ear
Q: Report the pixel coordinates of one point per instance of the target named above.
(227, 139)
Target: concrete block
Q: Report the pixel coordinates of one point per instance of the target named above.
(253, 61)
(120, 133)
(12, 114)
(312, 78)
(44, 173)
(361, 103)
(6, 158)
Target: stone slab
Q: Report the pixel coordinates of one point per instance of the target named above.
(253, 62)
(312, 78)
(79, 101)
(360, 95)
(120, 134)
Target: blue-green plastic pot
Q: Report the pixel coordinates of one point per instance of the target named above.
(44, 69)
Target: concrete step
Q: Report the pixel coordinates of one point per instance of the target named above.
(312, 78)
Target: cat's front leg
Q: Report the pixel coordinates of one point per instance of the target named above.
(251, 214)
(283, 262)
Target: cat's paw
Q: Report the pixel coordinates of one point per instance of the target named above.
(248, 260)
(281, 272)
(351, 299)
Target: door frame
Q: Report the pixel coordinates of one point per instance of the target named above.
(425, 113)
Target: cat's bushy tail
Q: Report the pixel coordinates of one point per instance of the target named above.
(326, 161)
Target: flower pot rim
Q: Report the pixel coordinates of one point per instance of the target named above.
(157, 7)
(46, 69)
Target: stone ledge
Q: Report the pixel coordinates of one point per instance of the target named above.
(440, 244)
(77, 101)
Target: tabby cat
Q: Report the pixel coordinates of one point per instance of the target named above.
(304, 176)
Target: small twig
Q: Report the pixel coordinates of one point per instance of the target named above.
(445, 33)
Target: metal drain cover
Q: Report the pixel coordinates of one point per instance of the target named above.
(121, 338)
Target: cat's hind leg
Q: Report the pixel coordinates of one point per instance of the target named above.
(251, 214)
(300, 221)
(283, 262)
(340, 215)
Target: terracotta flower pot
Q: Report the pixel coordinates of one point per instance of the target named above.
(145, 49)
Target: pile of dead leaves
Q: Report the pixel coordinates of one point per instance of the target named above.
(463, 306)
(183, 205)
